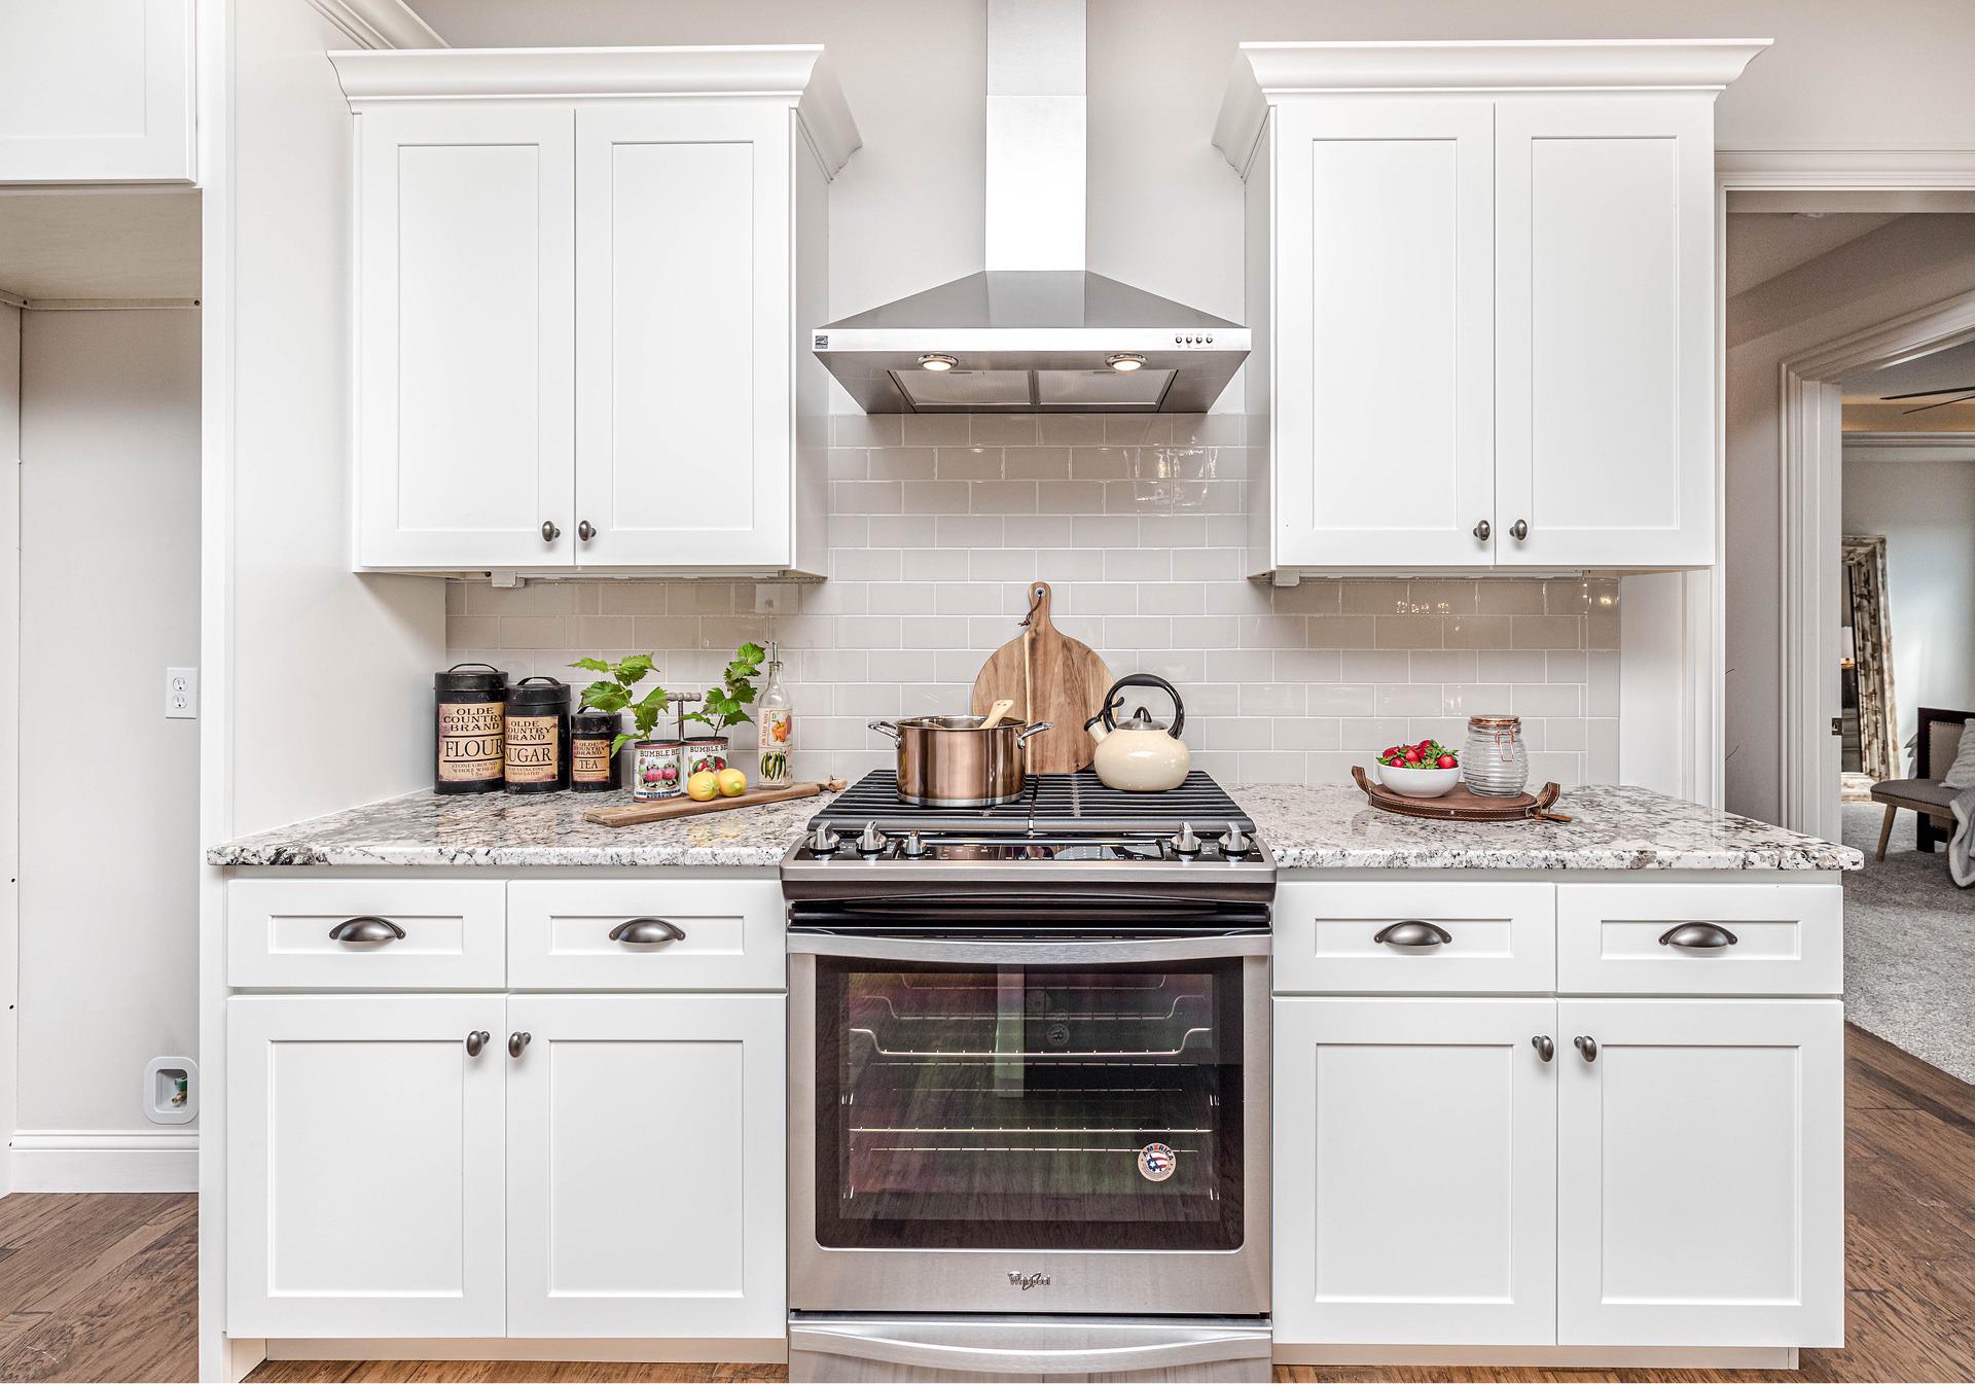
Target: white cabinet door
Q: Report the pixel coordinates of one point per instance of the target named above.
(96, 91)
(1700, 1175)
(464, 427)
(1384, 271)
(685, 336)
(1604, 310)
(647, 1167)
(1414, 1171)
(365, 1167)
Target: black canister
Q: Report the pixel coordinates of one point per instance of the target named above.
(468, 729)
(593, 764)
(537, 736)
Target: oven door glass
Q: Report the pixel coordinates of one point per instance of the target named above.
(1076, 1108)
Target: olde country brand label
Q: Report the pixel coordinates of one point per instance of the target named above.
(592, 760)
(530, 750)
(471, 741)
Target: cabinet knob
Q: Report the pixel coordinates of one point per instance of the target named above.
(476, 1040)
(1698, 934)
(585, 530)
(1587, 1048)
(646, 930)
(518, 1039)
(1412, 934)
(1544, 1046)
(1520, 530)
(1483, 531)
(549, 530)
(366, 929)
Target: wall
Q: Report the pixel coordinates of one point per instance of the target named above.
(1905, 265)
(1163, 207)
(110, 553)
(938, 524)
(1924, 502)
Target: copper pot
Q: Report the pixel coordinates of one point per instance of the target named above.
(953, 763)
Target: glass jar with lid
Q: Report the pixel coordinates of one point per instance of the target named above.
(1494, 762)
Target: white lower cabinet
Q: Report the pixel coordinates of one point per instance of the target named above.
(1414, 1171)
(621, 1175)
(365, 1167)
(1700, 1173)
(647, 1167)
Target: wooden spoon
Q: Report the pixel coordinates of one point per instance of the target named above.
(998, 710)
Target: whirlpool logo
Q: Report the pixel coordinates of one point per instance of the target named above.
(1026, 1280)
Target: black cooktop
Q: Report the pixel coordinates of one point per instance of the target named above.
(1077, 803)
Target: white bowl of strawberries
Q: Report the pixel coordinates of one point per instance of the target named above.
(1422, 770)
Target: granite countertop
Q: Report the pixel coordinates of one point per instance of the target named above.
(1616, 827)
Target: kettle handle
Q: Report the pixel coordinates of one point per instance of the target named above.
(1146, 681)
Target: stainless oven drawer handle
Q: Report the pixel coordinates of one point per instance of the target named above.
(1413, 934)
(647, 930)
(1698, 934)
(1083, 1348)
(366, 929)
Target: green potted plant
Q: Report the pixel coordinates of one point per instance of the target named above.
(657, 765)
(723, 707)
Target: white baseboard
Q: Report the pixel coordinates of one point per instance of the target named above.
(535, 1350)
(1515, 1356)
(139, 1161)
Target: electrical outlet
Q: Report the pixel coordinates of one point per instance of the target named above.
(182, 693)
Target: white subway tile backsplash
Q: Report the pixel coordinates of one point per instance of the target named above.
(937, 525)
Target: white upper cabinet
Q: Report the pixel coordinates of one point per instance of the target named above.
(583, 276)
(96, 91)
(1486, 275)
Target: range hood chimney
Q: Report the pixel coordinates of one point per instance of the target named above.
(1035, 331)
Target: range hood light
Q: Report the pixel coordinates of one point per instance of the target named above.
(1126, 361)
(936, 361)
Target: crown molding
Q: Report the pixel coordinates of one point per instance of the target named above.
(1887, 440)
(796, 73)
(378, 23)
(1266, 72)
(1872, 168)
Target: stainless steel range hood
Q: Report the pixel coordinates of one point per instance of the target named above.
(1035, 332)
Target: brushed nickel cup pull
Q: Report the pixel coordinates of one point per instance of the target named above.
(1483, 531)
(476, 1040)
(1698, 934)
(1412, 934)
(585, 530)
(366, 929)
(1544, 1046)
(1587, 1048)
(549, 530)
(646, 930)
(518, 1039)
(1520, 530)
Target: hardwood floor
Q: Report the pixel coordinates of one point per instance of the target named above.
(101, 1287)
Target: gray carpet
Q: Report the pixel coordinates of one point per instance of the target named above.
(1910, 946)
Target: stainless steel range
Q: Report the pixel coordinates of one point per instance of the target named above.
(1029, 1065)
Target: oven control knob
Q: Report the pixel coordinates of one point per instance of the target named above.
(824, 842)
(1186, 843)
(871, 841)
(1235, 843)
(912, 846)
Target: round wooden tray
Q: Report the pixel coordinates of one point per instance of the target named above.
(1462, 804)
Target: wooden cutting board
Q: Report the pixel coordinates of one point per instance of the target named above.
(1049, 677)
(681, 806)
(1460, 804)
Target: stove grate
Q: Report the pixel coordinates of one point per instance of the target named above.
(1077, 803)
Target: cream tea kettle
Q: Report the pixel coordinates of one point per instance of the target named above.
(1136, 754)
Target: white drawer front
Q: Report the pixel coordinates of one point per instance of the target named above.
(1501, 937)
(732, 935)
(1788, 939)
(282, 934)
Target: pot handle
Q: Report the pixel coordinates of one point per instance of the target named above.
(1034, 730)
(1145, 681)
(887, 729)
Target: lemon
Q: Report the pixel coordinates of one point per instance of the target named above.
(702, 785)
(730, 781)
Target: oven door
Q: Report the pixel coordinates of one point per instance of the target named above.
(1043, 1125)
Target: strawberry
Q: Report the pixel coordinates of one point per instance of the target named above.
(1448, 762)
(1388, 752)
